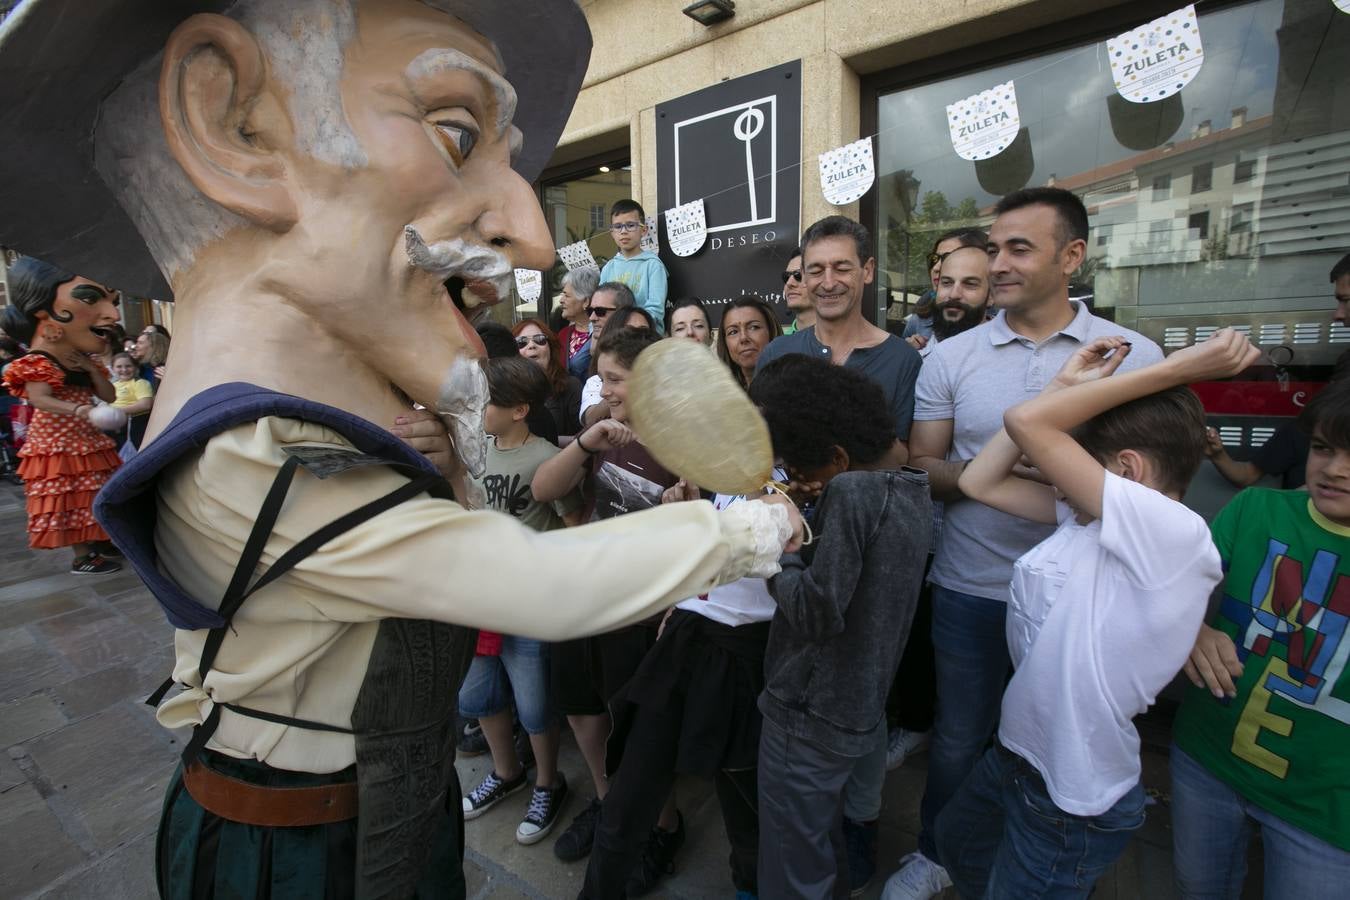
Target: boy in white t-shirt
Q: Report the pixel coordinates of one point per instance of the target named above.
(1101, 615)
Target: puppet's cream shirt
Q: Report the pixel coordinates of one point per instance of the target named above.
(299, 647)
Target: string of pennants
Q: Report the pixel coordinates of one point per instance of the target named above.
(1148, 64)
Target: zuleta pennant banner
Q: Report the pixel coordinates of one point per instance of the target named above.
(576, 256)
(984, 124)
(686, 228)
(846, 173)
(529, 284)
(1156, 60)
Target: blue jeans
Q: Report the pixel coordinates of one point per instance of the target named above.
(1212, 826)
(520, 673)
(1002, 836)
(972, 665)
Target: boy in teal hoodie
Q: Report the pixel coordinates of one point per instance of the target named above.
(641, 270)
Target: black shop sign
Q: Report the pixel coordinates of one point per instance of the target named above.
(737, 145)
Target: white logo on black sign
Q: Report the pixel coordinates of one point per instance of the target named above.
(748, 133)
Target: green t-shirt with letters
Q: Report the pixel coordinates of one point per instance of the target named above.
(1283, 742)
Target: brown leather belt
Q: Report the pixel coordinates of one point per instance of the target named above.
(272, 807)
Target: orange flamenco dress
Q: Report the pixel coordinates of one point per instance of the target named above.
(65, 460)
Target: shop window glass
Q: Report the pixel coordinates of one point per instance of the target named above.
(1262, 133)
(576, 208)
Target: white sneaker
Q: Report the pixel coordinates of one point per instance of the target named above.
(919, 878)
(901, 744)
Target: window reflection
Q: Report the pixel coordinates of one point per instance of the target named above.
(1226, 204)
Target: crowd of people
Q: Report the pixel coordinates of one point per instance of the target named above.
(1008, 449)
(1000, 567)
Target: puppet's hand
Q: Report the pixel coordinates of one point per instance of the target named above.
(795, 521)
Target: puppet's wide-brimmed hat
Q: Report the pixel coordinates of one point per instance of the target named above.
(60, 59)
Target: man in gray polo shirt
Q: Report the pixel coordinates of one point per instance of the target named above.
(1037, 241)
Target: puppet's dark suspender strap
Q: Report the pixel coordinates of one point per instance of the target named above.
(239, 589)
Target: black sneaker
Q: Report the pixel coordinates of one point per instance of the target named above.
(107, 550)
(860, 840)
(93, 564)
(472, 741)
(490, 792)
(545, 806)
(575, 843)
(658, 859)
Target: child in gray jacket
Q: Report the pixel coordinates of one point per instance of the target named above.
(845, 604)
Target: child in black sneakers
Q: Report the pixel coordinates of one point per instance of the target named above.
(515, 385)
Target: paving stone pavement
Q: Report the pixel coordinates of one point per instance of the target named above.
(85, 763)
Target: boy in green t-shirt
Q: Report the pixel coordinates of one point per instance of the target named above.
(1263, 737)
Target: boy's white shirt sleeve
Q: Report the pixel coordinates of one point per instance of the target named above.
(1156, 538)
(590, 393)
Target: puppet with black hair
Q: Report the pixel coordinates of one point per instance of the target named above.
(66, 458)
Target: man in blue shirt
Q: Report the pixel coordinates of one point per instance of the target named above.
(837, 264)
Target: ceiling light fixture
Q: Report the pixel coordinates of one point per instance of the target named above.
(604, 169)
(710, 12)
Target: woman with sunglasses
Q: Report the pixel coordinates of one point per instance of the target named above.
(537, 343)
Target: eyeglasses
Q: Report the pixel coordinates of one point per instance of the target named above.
(625, 227)
(934, 259)
(600, 311)
(524, 340)
(793, 274)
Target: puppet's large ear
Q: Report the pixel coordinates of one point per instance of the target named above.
(224, 126)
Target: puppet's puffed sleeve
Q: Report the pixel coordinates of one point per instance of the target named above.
(431, 559)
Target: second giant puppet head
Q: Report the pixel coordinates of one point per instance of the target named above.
(328, 186)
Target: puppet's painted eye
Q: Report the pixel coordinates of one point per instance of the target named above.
(458, 139)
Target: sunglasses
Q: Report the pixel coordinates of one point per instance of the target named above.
(600, 311)
(934, 259)
(523, 340)
(793, 274)
(625, 227)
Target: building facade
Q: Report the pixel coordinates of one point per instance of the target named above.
(1226, 204)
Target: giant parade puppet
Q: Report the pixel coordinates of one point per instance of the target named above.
(328, 188)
